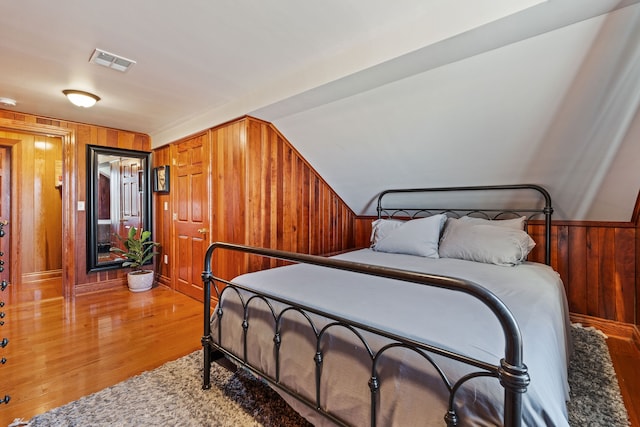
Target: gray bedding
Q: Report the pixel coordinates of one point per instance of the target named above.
(410, 393)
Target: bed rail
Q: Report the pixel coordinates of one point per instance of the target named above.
(531, 211)
(512, 372)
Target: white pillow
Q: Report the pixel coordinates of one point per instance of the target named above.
(380, 228)
(515, 223)
(485, 243)
(416, 237)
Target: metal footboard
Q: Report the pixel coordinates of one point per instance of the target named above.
(511, 372)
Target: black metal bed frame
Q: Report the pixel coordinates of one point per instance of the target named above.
(511, 373)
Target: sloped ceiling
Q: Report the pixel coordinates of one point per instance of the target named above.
(373, 94)
(558, 108)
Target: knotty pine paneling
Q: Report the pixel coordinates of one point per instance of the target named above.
(76, 137)
(596, 261)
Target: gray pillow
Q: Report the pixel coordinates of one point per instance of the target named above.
(490, 244)
(416, 237)
(380, 228)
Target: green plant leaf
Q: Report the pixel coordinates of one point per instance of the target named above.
(138, 248)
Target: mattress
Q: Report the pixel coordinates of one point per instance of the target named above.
(411, 392)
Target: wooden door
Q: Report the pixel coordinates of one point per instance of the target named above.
(5, 211)
(191, 200)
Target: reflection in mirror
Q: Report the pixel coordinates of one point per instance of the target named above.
(118, 198)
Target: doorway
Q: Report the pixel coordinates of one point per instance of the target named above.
(31, 198)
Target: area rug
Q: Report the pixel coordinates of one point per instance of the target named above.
(172, 396)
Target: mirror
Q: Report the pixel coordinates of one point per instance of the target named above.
(118, 198)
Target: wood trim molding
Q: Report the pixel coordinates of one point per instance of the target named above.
(635, 217)
(104, 285)
(41, 276)
(164, 281)
(573, 223)
(14, 259)
(32, 127)
(608, 327)
(69, 180)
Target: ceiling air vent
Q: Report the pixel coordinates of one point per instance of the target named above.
(110, 60)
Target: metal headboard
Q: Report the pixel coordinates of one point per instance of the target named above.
(416, 211)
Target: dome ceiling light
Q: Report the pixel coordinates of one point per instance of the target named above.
(8, 102)
(81, 98)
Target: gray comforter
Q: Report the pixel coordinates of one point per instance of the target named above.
(410, 393)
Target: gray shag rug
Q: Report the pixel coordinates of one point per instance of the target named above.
(595, 392)
(171, 395)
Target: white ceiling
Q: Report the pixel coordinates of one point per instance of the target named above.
(374, 94)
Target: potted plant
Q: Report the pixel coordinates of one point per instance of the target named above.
(139, 249)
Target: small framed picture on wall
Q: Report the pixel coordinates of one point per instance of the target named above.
(161, 179)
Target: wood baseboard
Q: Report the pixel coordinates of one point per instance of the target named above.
(114, 284)
(163, 280)
(105, 285)
(625, 331)
(41, 276)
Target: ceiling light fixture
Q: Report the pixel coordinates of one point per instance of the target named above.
(9, 102)
(81, 98)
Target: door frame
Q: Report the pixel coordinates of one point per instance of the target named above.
(69, 195)
(13, 265)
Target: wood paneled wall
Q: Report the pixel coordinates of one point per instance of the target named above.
(596, 261)
(290, 206)
(76, 137)
(162, 218)
(263, 193)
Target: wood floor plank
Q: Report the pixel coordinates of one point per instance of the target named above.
(626, 360)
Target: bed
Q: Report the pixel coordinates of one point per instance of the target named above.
(442, 321)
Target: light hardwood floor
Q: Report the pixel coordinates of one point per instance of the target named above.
(61, 350)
